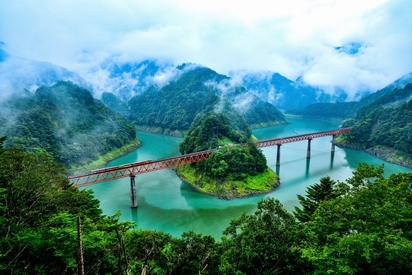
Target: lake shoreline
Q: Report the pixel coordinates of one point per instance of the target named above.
(227, 190)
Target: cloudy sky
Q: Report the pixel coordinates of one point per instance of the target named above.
(356, 45)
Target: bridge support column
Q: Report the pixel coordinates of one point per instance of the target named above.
(308, 151)
(333, 143)
(278, 155)
(133, 191)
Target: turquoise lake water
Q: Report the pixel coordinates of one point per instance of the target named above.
(168, 204)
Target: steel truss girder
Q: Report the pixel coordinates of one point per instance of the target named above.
(122, 171)
(127, 170)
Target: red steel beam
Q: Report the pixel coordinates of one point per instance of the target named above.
(127, 170)
(277, 141)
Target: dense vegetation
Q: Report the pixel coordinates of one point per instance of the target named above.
(344, 110)
(172, 108)
(115, 104)
(339, 110)
(66, 121)
(385, 123)
(213, 130)
(360, 226)
(235, 170)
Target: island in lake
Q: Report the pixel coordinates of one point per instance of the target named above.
(237, 169)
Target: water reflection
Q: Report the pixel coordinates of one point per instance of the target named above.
(307, 167)
(332, 156)
(166, 203)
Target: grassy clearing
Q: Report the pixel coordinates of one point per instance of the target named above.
(104, 159)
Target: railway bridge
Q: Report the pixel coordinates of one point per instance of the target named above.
(136, 168)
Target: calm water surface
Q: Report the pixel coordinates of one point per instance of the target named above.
(168, 204)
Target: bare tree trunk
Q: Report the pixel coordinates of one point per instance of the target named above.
(80, 267)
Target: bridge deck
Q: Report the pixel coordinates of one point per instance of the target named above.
(127, 170)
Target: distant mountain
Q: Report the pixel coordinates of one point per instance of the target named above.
(172, 108)
(283, 93)
(127, 79)
(344, 110)
(66, 121)
(17, 74)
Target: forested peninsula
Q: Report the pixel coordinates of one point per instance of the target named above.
(237, 168)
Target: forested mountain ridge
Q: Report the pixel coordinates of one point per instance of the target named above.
(66, 121)
(172, 109)
(344, 110)
(384, 127)
(286, 94)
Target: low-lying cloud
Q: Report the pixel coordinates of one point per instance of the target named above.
(333, 45)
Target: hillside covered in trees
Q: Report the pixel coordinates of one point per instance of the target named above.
(172, 108)
(66, 121)
(234, 170)
(384, 127)
(345, 110)
(360, 226)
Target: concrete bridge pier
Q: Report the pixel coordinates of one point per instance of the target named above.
(133, 191)
(278, 155)
(333, 143)
(308, 151)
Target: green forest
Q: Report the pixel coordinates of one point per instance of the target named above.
(172, 108)
(339, 110)
(65, 121)
(360, 226)
(236, 169)
(385, 123)
(382, 123)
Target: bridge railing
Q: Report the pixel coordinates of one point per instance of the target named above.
(127, 170)
(277, 141)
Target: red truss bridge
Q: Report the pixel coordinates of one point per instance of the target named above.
(136, 168)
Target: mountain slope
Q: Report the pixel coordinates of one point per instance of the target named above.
(66, 121)
(384, 127)
(174, 107)
(285, 94)
(344, 110)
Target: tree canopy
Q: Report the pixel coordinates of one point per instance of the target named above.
(231, 169)
(66, 121)
(197, 90)
(386, 122)
(360, 226)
